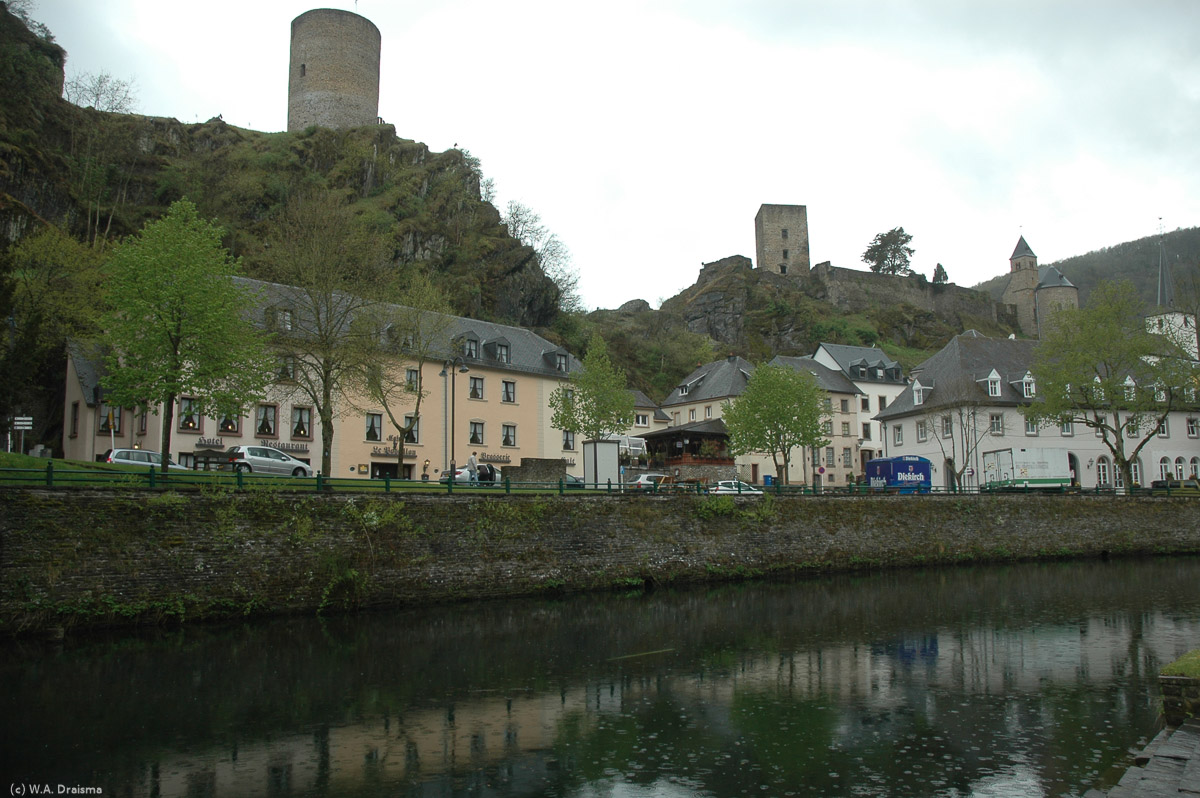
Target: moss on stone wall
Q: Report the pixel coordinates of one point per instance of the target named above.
(115, 557)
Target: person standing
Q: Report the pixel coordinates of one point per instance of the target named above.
(473, 468)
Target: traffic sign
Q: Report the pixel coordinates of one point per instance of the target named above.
(23, 422)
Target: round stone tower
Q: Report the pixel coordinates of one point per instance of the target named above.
(333, 80)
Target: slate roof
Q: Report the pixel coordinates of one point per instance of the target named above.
(643, 402)
(958, 375)
(872, 357)
(710, 426)
(829, 379)
(1022, 250)
(89, 368)
(1050, 276)
(715, 380)
(528, 351)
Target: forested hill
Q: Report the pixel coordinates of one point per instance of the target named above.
(1136, 261)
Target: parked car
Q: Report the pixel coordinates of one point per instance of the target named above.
(572, 481)
(734, 486)
(1175, 487)
(487, 475)
(140, 457)
(265, 460)
(646, 482)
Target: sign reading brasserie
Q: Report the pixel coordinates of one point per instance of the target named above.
(494, 458)
(393, 449)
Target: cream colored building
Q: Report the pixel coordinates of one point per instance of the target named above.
(488, 392)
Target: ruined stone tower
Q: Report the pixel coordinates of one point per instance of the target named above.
(781, 239)
(333, 80)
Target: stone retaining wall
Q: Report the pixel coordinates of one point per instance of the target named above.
(1181, 698)
(123, 556)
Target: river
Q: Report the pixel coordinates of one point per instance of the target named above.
(1022, 680)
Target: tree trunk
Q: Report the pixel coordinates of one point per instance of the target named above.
(168, 423)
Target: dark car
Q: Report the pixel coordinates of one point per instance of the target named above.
(1175, 487)
(140, 457)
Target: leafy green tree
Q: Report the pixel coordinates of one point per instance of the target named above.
(939, 275)
(596, 402)
(780, 410)
(889, 252)
(178, 324)
(1099, 367)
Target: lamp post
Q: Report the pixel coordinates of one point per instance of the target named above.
(448, 369)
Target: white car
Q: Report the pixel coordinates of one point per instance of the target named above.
(646, 482)
(736, 487)
(265, 460)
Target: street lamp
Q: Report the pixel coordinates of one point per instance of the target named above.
(447, 368)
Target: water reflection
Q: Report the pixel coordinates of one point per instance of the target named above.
(1025, 680)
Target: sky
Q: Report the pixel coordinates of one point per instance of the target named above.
(647, 134)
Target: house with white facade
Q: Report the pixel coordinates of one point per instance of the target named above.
(879, 380)
(966, 401)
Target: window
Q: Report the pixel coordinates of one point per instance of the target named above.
(947, 426)
(1136, 469)
(845, 429)
(1028, 387)
(231, 424)
(374, 426)
(692, 414)
(502, 352)
(829, 456)
(1102, 471)
(1164, 468)
(508, 391)
(845, 403)
(477, 432)
(783, 233)
(508, 434)
(683, 390)
(882, 402)
(828, 404)
(641, 419)
(1162, 428)
(783, 268)
(301, 422)
(996, 423)
(993, 386)
(1180, 467)
(827, 427)
(847, 462)
(471, 348)
(568, 440)
(898, 435)
(413, 429)
(922, 432)
(476, 388)
(74, 419)
(866, 404)
(560, 362)
(287, 369)
(412, 379)
(1067, 428)
(1031, 427)
(142, 421)
(866, 432)
(1194, 467)
(1101, 420)
(785, 254)
(264, 420)
(1193, 427)
(189, 419)
(708, 411)
(1132, 426)
(110, 419)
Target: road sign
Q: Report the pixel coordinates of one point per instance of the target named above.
(23, 422)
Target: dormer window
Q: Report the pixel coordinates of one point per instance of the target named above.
(683, 390)
(471, 347)
(1130, 389)
(919, 391)
(1028, 386)
(993, 384)
(502, 352)
(560, 362)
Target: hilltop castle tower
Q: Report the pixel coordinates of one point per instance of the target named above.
(333, 80)
(1037, 291)
(781, 239)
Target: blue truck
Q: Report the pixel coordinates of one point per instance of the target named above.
(905, 474)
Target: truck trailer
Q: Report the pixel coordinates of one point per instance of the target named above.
(1026, 469)
(905, 474)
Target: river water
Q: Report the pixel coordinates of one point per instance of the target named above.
(1024, 680)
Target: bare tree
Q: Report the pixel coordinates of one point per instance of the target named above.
(101, 91)
(954, 423)
(525, 225)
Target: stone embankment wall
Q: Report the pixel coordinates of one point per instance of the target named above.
(97, 557)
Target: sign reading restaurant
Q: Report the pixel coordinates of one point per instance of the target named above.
(283, 446)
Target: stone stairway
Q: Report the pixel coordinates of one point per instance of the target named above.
(1170, 766)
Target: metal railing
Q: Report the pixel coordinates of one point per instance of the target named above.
(154, 479)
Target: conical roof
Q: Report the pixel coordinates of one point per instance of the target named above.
(1022, 250)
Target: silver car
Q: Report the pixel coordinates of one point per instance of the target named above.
(265, 460)
(140, 457)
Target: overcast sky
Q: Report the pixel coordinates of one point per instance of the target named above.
(647, 134)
